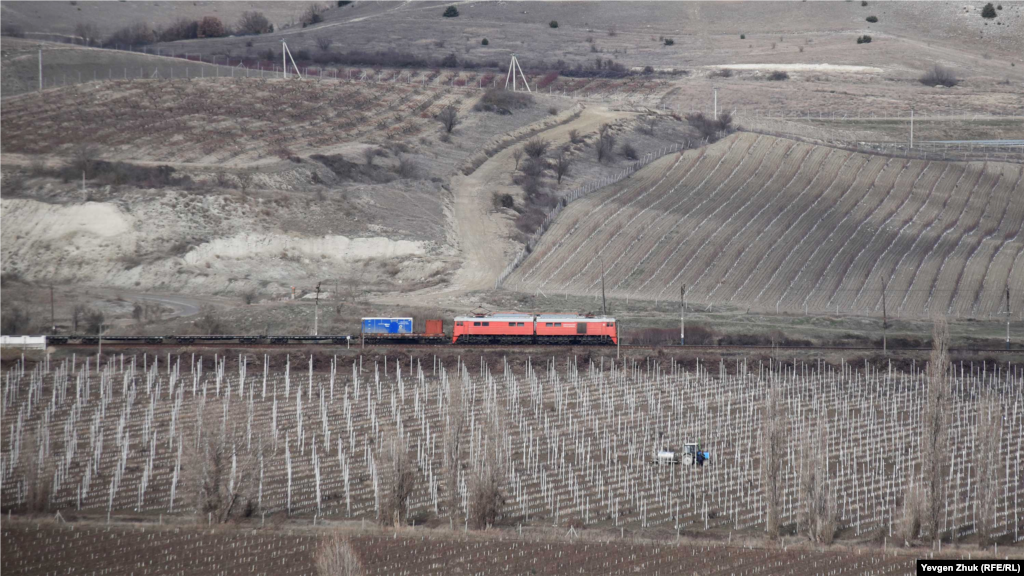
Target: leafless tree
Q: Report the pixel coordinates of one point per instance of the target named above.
(324, 43)
(909, 526)
(819, 517)
(37, 474)
(369, 153)
(486, 498)
(397, 477)
(253, 22)
(536, 147)
(987, 437)
(245, 181)
(407, 168)
(76, 315)
(455, 425)
(574, 136)
(773, 452)
(336, 557)
(605, 143)
(648, 124)
(934, 424)
(562, 165)
(219, 470)
(939, 76)
(313, 14)
(449, 117)
(517, 155)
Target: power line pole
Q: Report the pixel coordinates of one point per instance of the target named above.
(604, 305)
(682, 315)
(40, 69)
(911, 126)
(885, 319)
(1007, 315)
(716, 103)
(316, 312)
(53, 323)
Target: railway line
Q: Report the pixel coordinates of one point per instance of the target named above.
(293, 342)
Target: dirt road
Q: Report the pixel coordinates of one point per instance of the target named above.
(482, 232)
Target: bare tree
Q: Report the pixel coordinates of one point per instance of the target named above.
(517, 155)
(220, 471)
(910, 521)
(455, 425)
(819, 517)
(934, 424)
(313, 14)
(449, 117)
(574, 136)
(324, 43)
(397, 477)
(486, 497)
(37, 473)
(336, 557)
(245, 181)
(369, 153)
(562, 165)
(773, 451)
(648, 124)
(605, 143)
(76, 314)
(987, 437)
(253, 22)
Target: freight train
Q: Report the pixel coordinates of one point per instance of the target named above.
(498, 328)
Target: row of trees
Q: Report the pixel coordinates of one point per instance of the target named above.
(141, 33)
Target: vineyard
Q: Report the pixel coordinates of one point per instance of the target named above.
(764, 223)
(217, 120)
(571, 441)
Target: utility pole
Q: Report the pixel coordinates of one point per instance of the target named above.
(316, 312)
(716, 103)
(53, 323)
(40, 69)
(885, 319)
(682, 315)
(911, 126)
(604, 305)
(1007, 315)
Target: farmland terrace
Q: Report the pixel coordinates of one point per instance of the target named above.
(758, 222)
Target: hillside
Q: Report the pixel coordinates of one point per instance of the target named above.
(762, 223)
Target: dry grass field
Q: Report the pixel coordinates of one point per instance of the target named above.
(759, 222)
(260, 443)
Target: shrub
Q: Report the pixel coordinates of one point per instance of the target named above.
(89, 33)
(503, 201)
(536, 147)
(628, 151)
(253, 22)
(451, 12)
(449, 118)
(669, 42)
(313, 14)
(778, 75)
(605, 143)
(872, 19)
(450, 61)
(181, 29)
(335, 556)
(343, 3)
(552, 111)
(710, 128)
(484, 42)
(212, 27)
(137, 34)
(15, 322)
(939, 76)
(863, 2)
(575, 137)
(553, 24)
(12, 30)
(324, 43)
(988, 11)
(722, 73)
(865, 39)
(743, 36)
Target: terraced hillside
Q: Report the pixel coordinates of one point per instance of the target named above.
(766, 223)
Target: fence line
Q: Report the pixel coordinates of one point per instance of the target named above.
(580, 192)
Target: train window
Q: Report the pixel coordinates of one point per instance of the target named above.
(610, 324)
(558, 324)
(476, 323)
(520, 324)
(511, 323)
(459, 323)
(487, 323)
(547, 323)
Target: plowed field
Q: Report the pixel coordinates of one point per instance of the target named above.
(766, 223)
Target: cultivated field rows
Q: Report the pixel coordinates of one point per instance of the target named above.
(772, 224)
(576, 448)
(205, 121)
(45, 548)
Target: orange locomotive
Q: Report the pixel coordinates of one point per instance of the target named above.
(519, 328)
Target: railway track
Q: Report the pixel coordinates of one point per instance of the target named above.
(354, 344)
